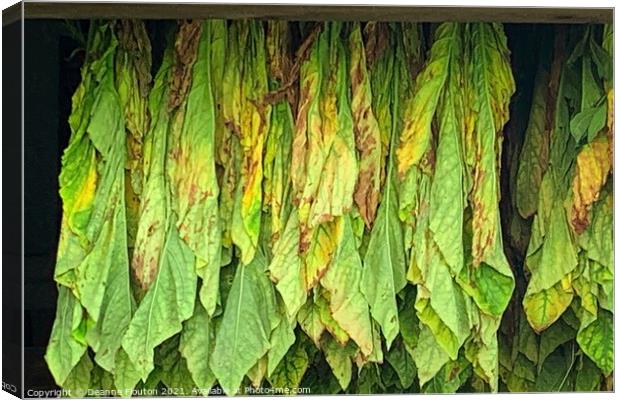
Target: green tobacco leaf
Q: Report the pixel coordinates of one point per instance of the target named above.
(133, 80)
(291, 369)
(64, 351)
(588, 376)
(174, 373)
(409, 324)
(102, 379)
(286, 267)
(380, 61)
(597, 341)
(489, 279)
(548, 292)
(257, 373)
(277, 159)
(402, 362)
(126, 376)
(445, 311)
(383, 275)
(592, 115)
(446, 197)
(79, 381)
(369, 380)
(327, 319)
(92, 253)
(450, 378)
(555, 373)
(162, 264)
(169, 302)
(522, 376)
(196, 346)
(416, 134)
(117, 302)
(377, 352)
(309, 318)
(178, 379)
(343, 282)
(194, 186)
(534, 155)
(597, 240)
(282, 338)
(228, 98)
(429, 357)
(339, 359)
(482, 351)
(493, 87)
(527, 340)
(243, 335)
(553, 337)
(588, 122)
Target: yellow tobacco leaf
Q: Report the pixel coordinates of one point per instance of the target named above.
(545, 307)
(593, 165)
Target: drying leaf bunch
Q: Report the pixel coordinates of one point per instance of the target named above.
(317, 205)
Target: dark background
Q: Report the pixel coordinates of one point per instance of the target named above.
(53, 59)
(50, 77)
(11, 207)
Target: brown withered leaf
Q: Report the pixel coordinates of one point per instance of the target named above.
(367, 133)
(290, 76)
(377, 41)
(134, 40)
(185, 52)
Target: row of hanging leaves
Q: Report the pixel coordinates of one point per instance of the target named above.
(562, 338)
(258, 214)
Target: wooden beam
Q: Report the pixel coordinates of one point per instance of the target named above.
(12, 14)
(318, 13)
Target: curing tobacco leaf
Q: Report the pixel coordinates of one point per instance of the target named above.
(252, 128)
(92, 259)
(324, 166)
(286, 267)
(567, 268)
(310, 321)
(64, 351)
(402, 362)
(243, 334)
(367, 133)
(416, 135)
(534, 156)
(339, 359)
(282, 338)
(196, 346)
(343, 280)
(291, 369)
(277, 161)
(133, 81)
(386, 246)
(591, 172)
(163, 309)
(191, 167)
(163, 264)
